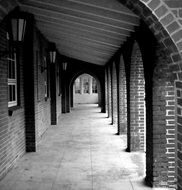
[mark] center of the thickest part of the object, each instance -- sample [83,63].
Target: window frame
[94,86]
[77,86]
[12,57]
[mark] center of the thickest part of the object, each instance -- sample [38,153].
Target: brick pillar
[67,97]
[157,150]
[53,94]
[99,94]
[63,92]
[178,86]
[109,93]
[114,95]
[137,102]
[71,95]
[29,91]
[170,134]
[106,92]
[122,102]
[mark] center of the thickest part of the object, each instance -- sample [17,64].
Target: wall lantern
[18,26]
[16,30]
[64,66]
[52,53]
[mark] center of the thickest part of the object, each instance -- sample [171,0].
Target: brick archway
[166,29]
[158,17]
[72,80]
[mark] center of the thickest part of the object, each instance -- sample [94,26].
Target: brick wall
[122,102]
[42,103]
[137,103]
[12,131]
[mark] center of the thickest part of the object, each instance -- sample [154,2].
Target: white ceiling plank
[75,25]
[87,30]
[86,10]
[84,36]
[64,41]
[72,38]
[85,58]
[82,20]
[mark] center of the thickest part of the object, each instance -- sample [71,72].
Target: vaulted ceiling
[87,30]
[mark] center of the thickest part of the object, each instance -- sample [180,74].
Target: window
[86,85]
[77,86]
[94,86]
[12,76]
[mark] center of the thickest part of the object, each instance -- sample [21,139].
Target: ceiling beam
[106,5]
[86,46]
[71,29]
[85,27]
[85,58]
[76,42]
[72,38]
[83,50]
[86,36]
[88,11]
[69,17]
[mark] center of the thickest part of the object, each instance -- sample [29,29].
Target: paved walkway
[81,153]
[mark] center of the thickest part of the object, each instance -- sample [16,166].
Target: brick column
[159,146]
[114,95]
[71,95]
[67,97]
[178,94]
[53,94]
[122,102]
[170,134]
[106,92]
[109,93]
[137,102]
[63,92]
[29,91]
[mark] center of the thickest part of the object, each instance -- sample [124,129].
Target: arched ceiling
[87,30]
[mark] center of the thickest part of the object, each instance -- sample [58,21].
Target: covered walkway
[81,152]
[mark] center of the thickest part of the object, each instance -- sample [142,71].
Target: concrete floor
[81,153]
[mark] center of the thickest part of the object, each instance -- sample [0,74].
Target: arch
[85,90]
[155,15]
[79,73]
[159,18]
